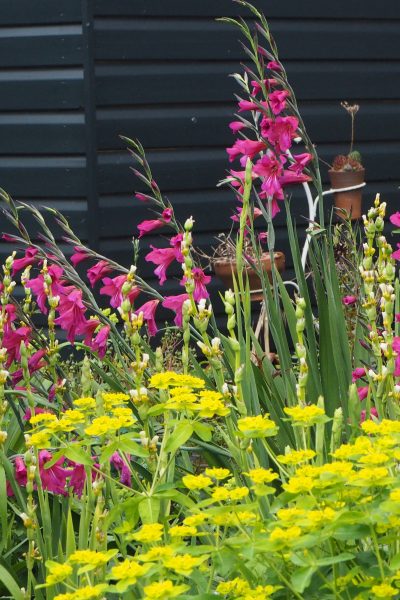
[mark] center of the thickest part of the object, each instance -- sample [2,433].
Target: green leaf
[301,578]
[333,560]
[78,455]
[179,436]
[149,509]
[203,431]
[127,445]
[10,583]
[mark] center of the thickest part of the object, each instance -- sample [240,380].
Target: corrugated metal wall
[74,75]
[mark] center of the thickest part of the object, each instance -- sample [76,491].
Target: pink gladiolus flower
[113,287]
[397,317]
[11,315]
[54,478]
[200,282]
[35,363]
[71,313]
[37,286]
[148,226]
[149,309]
[236,126]
[262,236]
[395,219]
[118,462]
[20,471]
[268,83]
[362,392]
[248,148]
[99,344]
[280,132]
[245,105]
[163,257]
[9,238]
[88,330]
[290,177]
[349,300]
[79,255]
[175,303]
[301,161]
[274,66]
[143,197]
[358,373]
[277,101]
[29,259]
[396,253]
[98,271]
[77,479]
[269,168]
[373,413]
[12,342]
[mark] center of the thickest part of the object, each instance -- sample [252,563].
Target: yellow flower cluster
[78,419]
[169,379]
[305,415]
[206,403]
[257,427]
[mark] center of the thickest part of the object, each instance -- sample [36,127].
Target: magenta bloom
[148,226]
[118,462]
[54,478]
[175,303]
[245,105]
[37,287]
[71,314]
[11,315]
[12,342]
[163,257]
[396,253]
[358,373]
[395,219]
[29,259]
[35,363]
[149,309]
[113,287]
[79,255]
[267,82]
[236,126]
[280,132]
[99,344]
[362,392]
[301,161]
[88,330]
[77,479]
[373,413]
[277,101]
[248,148]
[290,177]
[200,282]
[349,300]
[98,271]
[269,168]
[274,66]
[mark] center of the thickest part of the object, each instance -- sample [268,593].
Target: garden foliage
[195,468]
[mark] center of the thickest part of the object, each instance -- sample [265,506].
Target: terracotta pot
[349,201]
[223,269]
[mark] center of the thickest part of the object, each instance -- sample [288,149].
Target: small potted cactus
[347,171]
